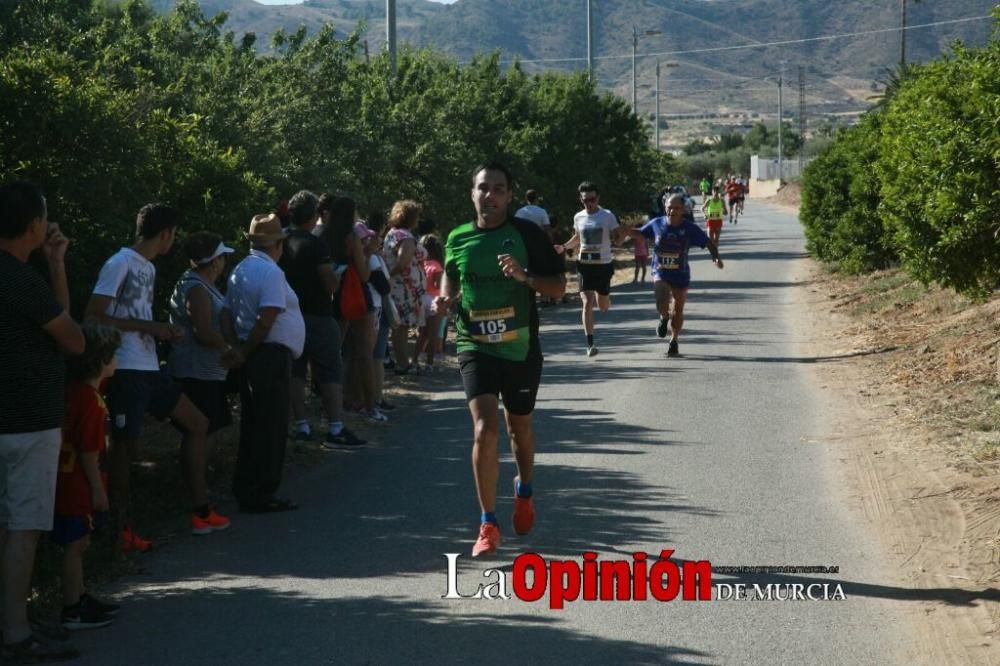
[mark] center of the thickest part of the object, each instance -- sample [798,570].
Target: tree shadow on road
[286,626]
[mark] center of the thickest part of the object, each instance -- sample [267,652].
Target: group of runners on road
[494,267]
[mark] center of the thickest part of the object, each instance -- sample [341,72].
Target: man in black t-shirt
[36,330]
[309,270]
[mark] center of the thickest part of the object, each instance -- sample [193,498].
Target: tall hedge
[840,199]
[918,179]
[939,166]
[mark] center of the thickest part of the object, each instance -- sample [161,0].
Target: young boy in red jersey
[81,491]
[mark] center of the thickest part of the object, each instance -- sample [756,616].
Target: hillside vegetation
[918,181]
[112,106]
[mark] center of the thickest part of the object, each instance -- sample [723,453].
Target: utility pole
[635,44]
[656,118]
[390,33]
[590,41]
[902,37]
[802,115]
[781,113]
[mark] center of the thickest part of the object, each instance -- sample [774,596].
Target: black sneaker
[672,349]
[302,436]
[345,440]
[80,616]
[100,606]
[661,328]
[35,649]
[385,405]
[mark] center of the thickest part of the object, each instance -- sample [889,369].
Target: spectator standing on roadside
[123,299]
[351,263]
[433,267]
[199,361]
[532,212]
[37,330]
[81,489]
[262,320]
[310,272]
[407,278]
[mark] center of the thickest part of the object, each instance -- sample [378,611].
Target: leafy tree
[840,199]
[939,170]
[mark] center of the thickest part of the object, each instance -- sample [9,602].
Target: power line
[786,42]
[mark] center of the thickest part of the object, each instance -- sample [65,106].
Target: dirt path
[938,520]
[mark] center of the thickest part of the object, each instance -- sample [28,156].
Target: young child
[433,265]
[640,252]
[81,492]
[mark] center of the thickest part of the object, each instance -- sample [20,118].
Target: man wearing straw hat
[262,320]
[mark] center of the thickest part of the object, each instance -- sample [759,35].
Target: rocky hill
[840,75]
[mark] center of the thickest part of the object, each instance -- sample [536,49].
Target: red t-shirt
[433,271]
[83,432]
[734,189]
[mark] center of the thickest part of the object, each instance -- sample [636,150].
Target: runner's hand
[442,304]
[560,249]
[511,268]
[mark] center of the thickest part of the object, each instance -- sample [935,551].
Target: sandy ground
[936,511]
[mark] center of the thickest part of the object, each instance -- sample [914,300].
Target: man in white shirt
[595,230]
[532,212]
[262,320]
[123,299]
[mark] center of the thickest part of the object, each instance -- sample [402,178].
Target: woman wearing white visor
[200,360]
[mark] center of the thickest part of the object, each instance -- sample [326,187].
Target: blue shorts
[677,279]
[70,529]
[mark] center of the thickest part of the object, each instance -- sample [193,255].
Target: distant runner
[715,212]
[672,238]
[493,267]
[733,192]
[706,187]
[595,229]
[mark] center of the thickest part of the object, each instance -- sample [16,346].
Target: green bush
[840,198]
[939,168]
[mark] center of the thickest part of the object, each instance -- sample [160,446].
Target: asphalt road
[708,455]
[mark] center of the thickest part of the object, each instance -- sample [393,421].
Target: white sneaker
[375,416]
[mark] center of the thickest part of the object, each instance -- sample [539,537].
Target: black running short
[516,382]
[596,277]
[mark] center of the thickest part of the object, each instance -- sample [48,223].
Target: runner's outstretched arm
[572,243]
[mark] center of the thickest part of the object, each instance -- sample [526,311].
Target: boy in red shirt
[81,487]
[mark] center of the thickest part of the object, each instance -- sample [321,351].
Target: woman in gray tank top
[199,360]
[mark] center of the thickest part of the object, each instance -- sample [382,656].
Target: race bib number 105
[492,326]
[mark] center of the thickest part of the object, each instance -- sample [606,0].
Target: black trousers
[265,391]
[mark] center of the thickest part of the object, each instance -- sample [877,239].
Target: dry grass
[945,364]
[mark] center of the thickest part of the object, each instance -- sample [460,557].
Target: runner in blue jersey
[672,237]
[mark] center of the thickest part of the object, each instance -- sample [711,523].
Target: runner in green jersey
[493,267]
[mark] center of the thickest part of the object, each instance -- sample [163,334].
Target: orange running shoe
[133,543]
[489,539]
[213,522]
[524,513]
